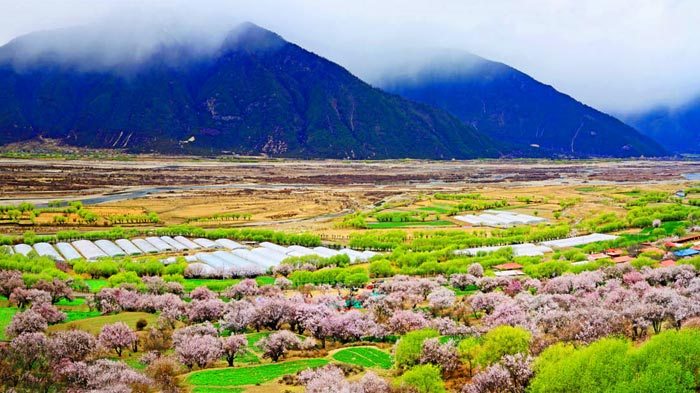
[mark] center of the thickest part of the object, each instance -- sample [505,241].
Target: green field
[364,356]
[96,285]
[94,324]
[206,389]
[437,209]
[240,376]
[71,303]
[6,314]
[221,285]
[385,225]
[72,316]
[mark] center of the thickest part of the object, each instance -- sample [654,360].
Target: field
[364,356]
[95,323]
[232,377]
[6,314]
[403,209]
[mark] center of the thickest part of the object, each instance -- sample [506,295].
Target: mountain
[676,129]
[254,93]
[510,106]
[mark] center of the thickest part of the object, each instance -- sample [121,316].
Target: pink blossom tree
[443,355]
[405,321]
[200,350]
[57,288]
[117,336]
[202,293]
[476,270]
[26,322]
[205,310]
[237,316]
[247,287]
[232,346]
[441,298]
[74,345]
[326,379]
[277,344]
[9,280]
[24,297]
[49,312]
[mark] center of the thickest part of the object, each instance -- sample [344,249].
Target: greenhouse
[199,269]
[579,240]
[23,249]
[230,244]
[128,247]
[519,250]
[238,264]
[256,258]
[47,250]
[7,249]
[159,244]
[110,248]
[206,243]
[145,246]
[68,251]
[174,243]
[325,252]
[274,247]
[300,251]
[267,253]
[219,265]
[89,250]
[187,242]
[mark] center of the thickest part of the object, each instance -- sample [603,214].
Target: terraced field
[241,376]
[364,356]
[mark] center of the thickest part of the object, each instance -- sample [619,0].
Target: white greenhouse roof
[230,244]
[47,250]
[206,243]
[519,250]
[145,246]
[68,251]
[89,250]
[187,242]
[498,218]
[128,247]
[159,244]
[579,240]
[174,243]
[110,248]
[23,249]
[274,247]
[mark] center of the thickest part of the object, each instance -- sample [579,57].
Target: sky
[620,56]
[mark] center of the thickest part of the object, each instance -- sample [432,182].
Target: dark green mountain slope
[256,94]
[677,129]
[508,105]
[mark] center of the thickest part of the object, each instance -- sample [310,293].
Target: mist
[620,56]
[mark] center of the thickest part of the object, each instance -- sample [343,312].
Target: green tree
[425,378]
[468,351]
[408,348]
[503,340]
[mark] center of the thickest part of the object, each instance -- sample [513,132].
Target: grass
[96,285]
[221,285]
[435,209]
[253,338]
[385,225]
[6,314]
[240,376]
[94,324]
[69,303]
[72,316]
[207,389]
[364,356]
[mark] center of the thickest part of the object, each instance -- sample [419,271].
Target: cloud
[616,55]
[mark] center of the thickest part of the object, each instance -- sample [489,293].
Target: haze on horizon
[621,56]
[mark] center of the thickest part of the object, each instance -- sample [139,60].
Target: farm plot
[364,356]
[6,314]
[241,376]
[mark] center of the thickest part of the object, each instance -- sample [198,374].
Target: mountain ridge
[256,93]
[509,105]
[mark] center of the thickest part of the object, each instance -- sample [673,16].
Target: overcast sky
[616,55]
